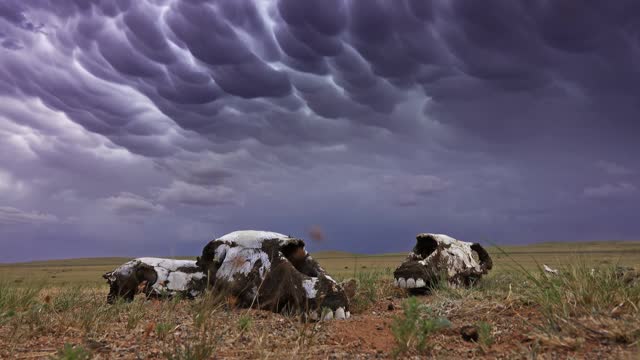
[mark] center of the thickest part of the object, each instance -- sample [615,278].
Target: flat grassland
[56,309]
[88,271]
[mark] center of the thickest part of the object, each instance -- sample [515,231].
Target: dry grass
[88,271]
[520,312]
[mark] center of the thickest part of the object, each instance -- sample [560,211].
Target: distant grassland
[88,271]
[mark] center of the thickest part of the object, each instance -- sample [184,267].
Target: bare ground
[189,330]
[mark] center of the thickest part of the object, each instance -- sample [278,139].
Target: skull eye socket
[297,256]
[482,256]
[425,246]
[293,251]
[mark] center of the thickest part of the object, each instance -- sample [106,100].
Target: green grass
[70,352]
[485,337]
[414,327]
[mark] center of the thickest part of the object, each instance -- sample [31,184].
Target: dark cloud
[13,216]
[128,204]
[613,168]
[188,194]
[610,190]
[472,116]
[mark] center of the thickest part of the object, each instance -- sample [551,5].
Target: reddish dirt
[515,334]
[515,330]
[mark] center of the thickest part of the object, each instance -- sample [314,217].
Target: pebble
[469,333]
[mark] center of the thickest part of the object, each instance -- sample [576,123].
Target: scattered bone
[437,257]
[155,277]
[549,270]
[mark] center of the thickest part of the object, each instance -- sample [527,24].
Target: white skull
[273,271]
[438,257]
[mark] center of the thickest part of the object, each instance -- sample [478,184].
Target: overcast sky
[148,127]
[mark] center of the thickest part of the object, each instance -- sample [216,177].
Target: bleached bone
[438,257]
[549,270]
[272,271]
[157,277]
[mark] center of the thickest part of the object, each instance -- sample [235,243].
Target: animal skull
[272,271]
[155,277]
[436,257]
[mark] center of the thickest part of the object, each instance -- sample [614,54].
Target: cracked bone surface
[272,271]
[438,257]
[155,277]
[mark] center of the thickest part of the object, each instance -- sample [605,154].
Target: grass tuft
[71,352]
[413,328]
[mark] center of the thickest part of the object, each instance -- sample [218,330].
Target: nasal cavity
[425,246]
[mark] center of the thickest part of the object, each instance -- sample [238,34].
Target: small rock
[379,327]
[469,333]
[391,307]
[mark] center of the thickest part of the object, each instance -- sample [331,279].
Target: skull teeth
[339,314]
[409,283]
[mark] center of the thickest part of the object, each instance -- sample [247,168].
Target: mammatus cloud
[286,113]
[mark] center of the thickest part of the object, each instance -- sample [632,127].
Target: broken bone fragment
[436,258]
[155,277]
[550,270]
[272,271]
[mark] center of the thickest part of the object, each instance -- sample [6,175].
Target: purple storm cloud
[149,127]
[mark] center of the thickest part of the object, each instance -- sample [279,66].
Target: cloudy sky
[148,127]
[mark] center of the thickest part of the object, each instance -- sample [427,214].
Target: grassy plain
[88,271]
[56,309]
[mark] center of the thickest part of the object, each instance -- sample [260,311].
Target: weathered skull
[155,277]
[272,271]
[437,257]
